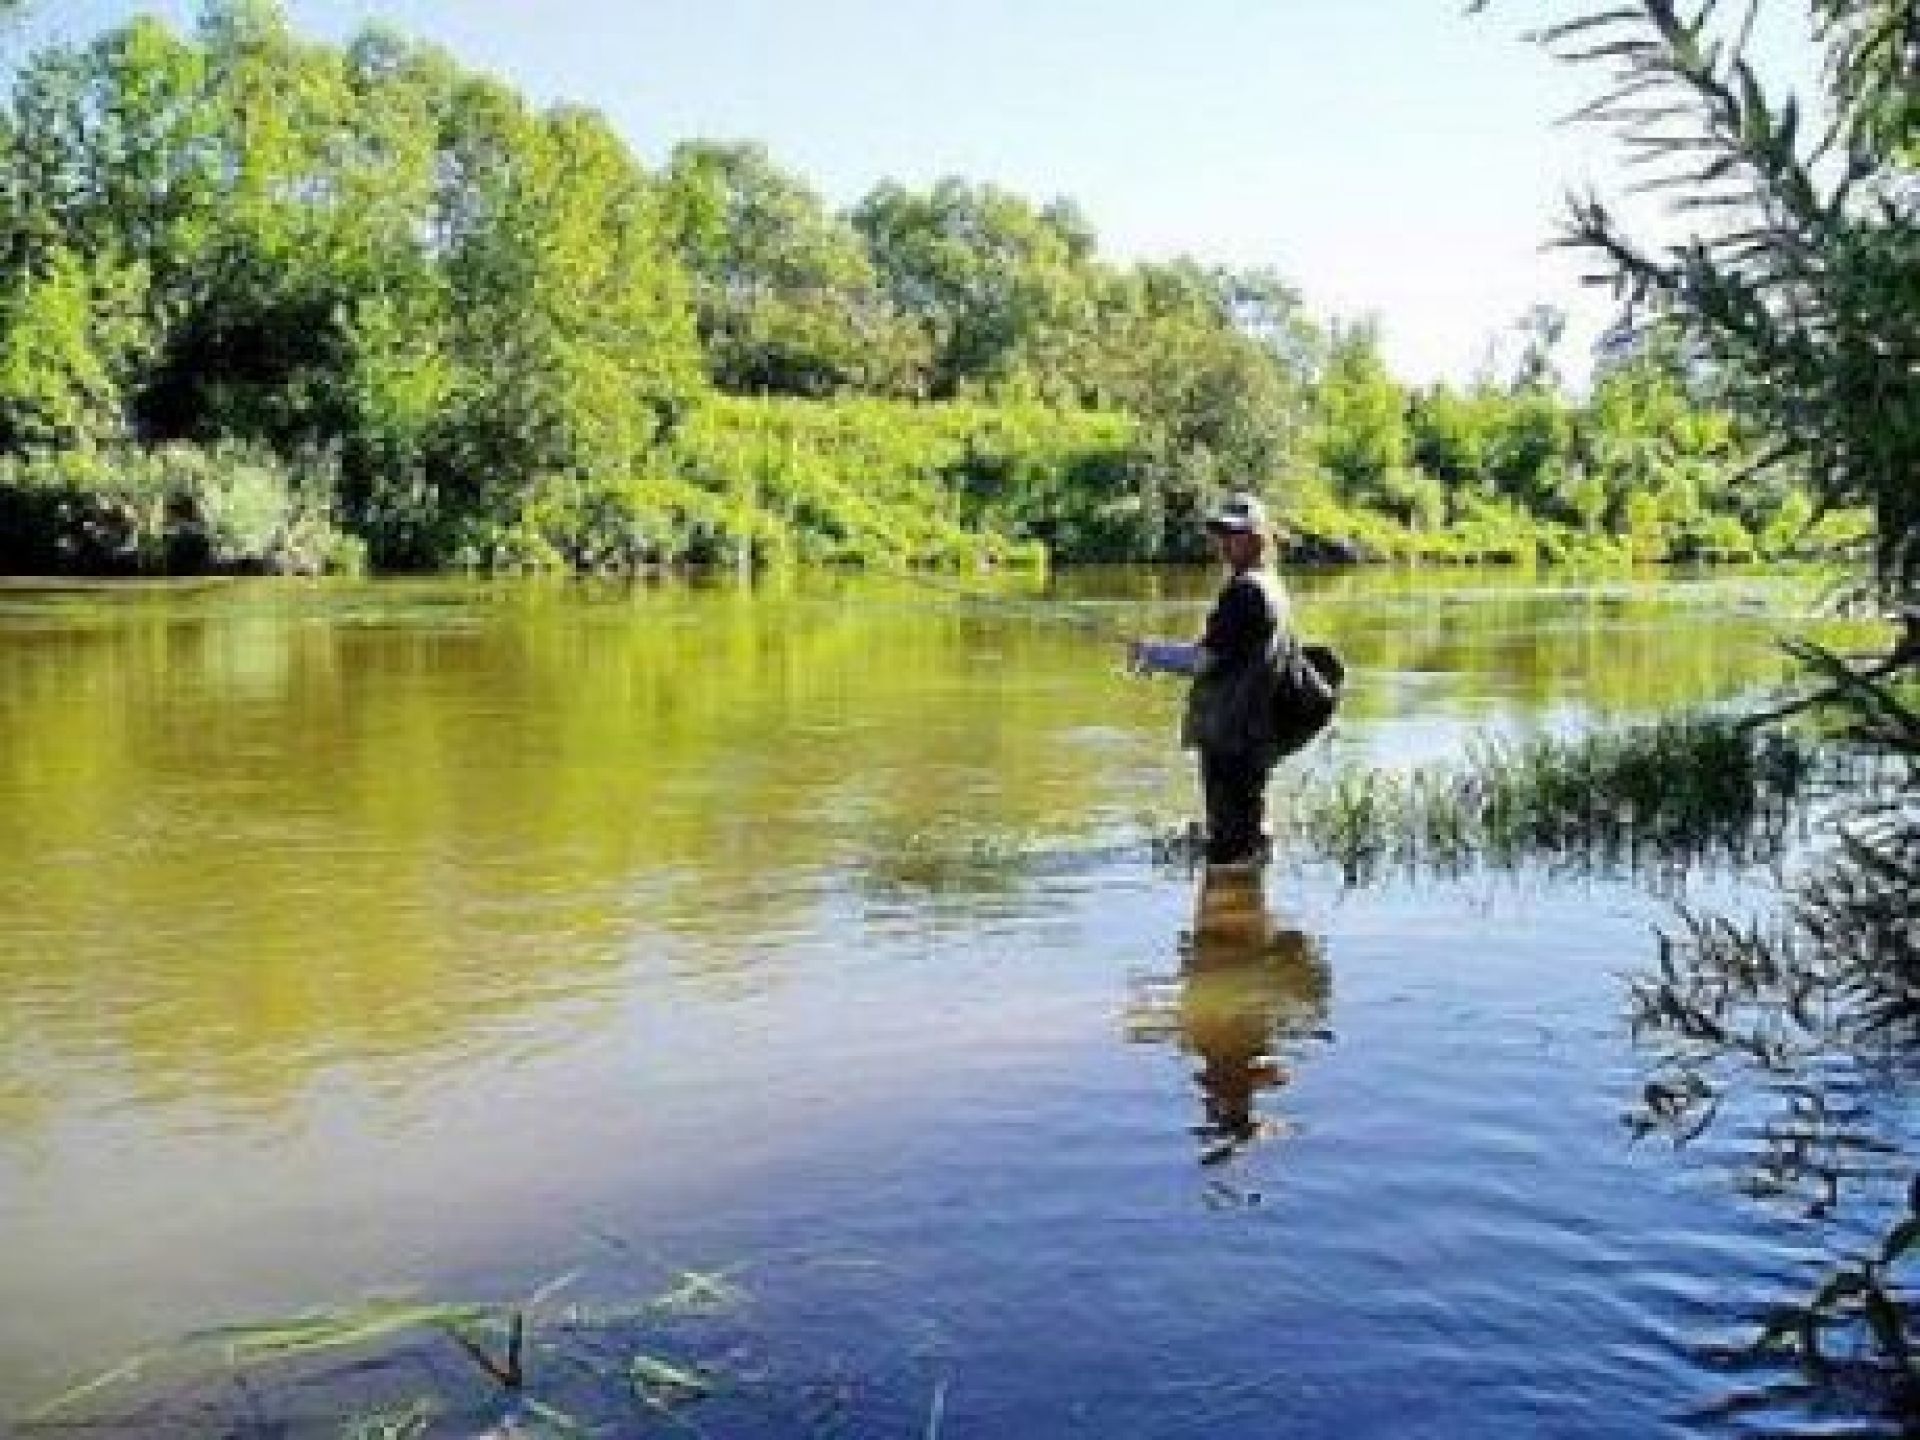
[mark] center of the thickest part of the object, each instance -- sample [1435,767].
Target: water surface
[450,936]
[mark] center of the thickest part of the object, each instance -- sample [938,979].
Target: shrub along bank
[417,321]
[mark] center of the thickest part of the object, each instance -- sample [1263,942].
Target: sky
[1393,158]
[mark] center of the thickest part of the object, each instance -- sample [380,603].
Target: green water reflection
[245,830]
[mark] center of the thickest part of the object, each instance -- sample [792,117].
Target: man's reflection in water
[1250,992]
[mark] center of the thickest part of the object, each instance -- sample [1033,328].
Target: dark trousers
[1234,785]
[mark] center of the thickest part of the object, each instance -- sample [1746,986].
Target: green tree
[1586,495]
[1452,436]
[71,337]
[990,279]
[569,336]
[1362,438]
[1213,364]
[1529,445]
[360,249]
[788,301]
[1805,291]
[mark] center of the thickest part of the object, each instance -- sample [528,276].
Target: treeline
[283,305]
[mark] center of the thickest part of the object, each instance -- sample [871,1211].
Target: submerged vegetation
[532,1358]
[484,334]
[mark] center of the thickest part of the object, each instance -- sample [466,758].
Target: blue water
[974,1141]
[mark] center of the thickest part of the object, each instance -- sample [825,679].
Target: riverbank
[757,484]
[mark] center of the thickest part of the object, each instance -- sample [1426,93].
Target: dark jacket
[1230,707]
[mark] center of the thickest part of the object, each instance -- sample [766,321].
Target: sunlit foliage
[513,345]
[1798,274]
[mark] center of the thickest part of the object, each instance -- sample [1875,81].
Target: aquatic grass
[663,1380]
[1655,800]
[1661,797]
[126,1372]
[500,1340]
[352,1329]
[401,1422]
[699,1292]
[368,1326]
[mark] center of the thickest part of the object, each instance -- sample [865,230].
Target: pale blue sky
[1389,156]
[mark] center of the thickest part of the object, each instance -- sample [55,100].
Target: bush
[172,510]
[877,482]
[1713,537]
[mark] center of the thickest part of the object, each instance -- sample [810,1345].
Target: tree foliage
[512,343]
[789,303]
[1799,277]
[1797,284]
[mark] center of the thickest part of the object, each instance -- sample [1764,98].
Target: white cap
[1243,513]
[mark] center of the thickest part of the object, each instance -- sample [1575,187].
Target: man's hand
[1164,657]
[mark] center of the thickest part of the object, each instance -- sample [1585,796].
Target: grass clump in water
[1654,800]
[1662,796]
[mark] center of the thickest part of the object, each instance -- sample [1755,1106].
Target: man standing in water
[1229,717]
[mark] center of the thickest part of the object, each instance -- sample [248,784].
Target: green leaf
[550,1289]
[652,1370]
[1885,1320]
[1900,1240]
[340,1330]
[556,1417]
[699,1290]
[106,1379]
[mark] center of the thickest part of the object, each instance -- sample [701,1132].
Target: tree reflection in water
[1250,991]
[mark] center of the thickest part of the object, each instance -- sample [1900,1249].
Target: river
[445,937]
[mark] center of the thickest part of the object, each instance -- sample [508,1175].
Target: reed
[1655,801]
[1664,797]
